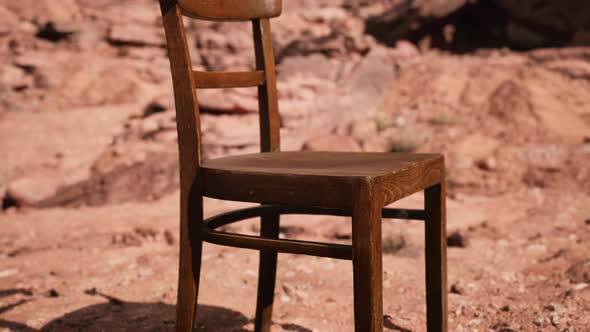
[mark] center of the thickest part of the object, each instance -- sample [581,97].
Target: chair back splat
[186,81]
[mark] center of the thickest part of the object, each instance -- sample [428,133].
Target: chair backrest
[186,80]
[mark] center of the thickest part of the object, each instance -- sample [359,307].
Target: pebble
[503,243]
[457,240]
[169,237]
[456,288]
[486,164]
[579,272]
[537,248]
[285,298]
[8,273]
[541,321]
[294,292]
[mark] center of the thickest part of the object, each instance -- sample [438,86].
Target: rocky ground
[88,178]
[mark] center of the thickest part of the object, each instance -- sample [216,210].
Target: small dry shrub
[405,140]
[393,243]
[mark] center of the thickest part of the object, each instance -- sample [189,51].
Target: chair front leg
[436,258]
[191,247]
[266,275]
[367,262]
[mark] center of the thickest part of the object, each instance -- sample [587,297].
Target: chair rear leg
[367,263]
[266,275]
[436,258]
[191,247]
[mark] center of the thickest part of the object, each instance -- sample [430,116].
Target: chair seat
[317,178]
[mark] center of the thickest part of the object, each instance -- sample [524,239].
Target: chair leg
[367,263]
[266,275]
[436,258]
[191,247]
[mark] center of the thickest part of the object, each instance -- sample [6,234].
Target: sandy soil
[113,268]
[88,161]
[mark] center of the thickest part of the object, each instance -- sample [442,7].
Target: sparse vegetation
[393,243]
[406,140]
[383,120]
[445,118]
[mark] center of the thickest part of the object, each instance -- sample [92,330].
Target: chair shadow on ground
[118,315]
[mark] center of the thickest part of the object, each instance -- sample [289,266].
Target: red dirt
[88,174]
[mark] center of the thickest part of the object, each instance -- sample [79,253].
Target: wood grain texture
[191,206]
[231,10]
[224,80]
[321,179]
[436,258]
[329,164]
[397,185]
[267,273]
[367,259]
[273,189]
[268,100]
[338,251]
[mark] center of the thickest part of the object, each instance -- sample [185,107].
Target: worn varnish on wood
[231,10]
[208,80]
[330,183]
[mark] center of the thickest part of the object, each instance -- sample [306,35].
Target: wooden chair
[341,184]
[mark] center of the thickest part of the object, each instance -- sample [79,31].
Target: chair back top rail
[231,10]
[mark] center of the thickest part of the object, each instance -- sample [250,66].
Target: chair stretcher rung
[256,211]
[386,213]
[409,214]
[338,251]
[223,80]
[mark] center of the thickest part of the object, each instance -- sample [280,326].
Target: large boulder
[8,21]
[579,272]
[228,101]
[13,78]
[328,31]
[132,34]
[462,25]
[43,11]
[221,46]
[74,79]
[32,190]
[565,20]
